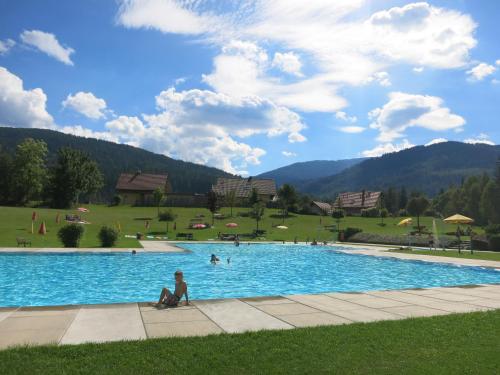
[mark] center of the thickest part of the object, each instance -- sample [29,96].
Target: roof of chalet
[323,206]
[141,181]
[355,199]
[243,186]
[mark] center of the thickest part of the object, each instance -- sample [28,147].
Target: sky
[249,86]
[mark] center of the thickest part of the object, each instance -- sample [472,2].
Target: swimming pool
[255,270]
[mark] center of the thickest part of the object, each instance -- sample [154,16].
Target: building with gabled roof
[353,202]
[266,188]
[138,188]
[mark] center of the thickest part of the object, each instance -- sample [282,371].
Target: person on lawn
[170,299]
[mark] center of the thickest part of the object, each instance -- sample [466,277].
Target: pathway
[136,321]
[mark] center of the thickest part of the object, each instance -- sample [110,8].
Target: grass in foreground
[481,255]
[16,222]
[462,343]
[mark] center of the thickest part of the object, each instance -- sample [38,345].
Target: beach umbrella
[199,226]
[405,222]
[43,229]
[282,227]
[458,219]
[231,225]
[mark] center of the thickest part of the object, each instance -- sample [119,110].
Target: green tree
[231,200]
[490,202]
[158,197]
[417,206]
[167,216]
[257,213]
[6,168]
[383,214]
[212,204]
[403,198]
[254,197]
[29,173]
[338,214]
[74,174]
[287,198]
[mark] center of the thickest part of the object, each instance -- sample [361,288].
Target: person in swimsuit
[170,299]
[214,259]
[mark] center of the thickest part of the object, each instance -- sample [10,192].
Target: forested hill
[115,158]
[298,173]
[424,168]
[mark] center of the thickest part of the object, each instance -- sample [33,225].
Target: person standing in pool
[214,259]
[170,299]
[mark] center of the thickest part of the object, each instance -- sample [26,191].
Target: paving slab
[172,315]
[16,323]
[413,311]
[375,302]
[366,314]
[106,323]
[314,319]
[485,302]
[182,329]
[453,297]
[324,302]
[30,337]
[6,312]
[287,309]
[234,316]
[257,301]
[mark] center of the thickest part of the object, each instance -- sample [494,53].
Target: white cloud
[87,104]
[167,16]
[435,141]
[48,43]
[403,111]
[495,81]
[288,154]
[418,69]
[180,81]
[352,129]
[497,62]
[344,117]
[387,148]
[288,62]
[480,72]
[6,45]
[20,107]
[127,127]
[480,139]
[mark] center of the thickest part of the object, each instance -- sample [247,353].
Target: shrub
[479,243]
[370,212]
[107,236]
[431,212]
[494,242]
[349,231]
[70,235]
[117,200]
[492,229]
[403,212]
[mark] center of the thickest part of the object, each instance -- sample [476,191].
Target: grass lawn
[453,344]
[16,222]
[483,255]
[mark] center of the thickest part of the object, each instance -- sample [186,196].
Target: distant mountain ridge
[301,173]
[114,158]
[423,168]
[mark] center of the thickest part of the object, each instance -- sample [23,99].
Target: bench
[23,241]
[187,236]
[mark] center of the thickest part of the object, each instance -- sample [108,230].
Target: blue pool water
[255,270]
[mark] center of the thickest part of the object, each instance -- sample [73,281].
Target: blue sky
[249,86]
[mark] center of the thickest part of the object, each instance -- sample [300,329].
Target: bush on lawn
[492,229]
[479,243]
[71,234]
[370,212]
[107,236]
[494,241]
[349,232]
[117,200]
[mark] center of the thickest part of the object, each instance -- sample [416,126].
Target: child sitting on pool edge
[169,299]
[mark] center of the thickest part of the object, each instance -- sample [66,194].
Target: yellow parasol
[458,219]
[405,222]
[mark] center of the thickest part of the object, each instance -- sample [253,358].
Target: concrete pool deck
[75,324]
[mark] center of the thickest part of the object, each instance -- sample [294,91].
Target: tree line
[26,176]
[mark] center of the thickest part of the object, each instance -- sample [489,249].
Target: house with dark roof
[353,202]
[138,188]
[321,208]
[242,187]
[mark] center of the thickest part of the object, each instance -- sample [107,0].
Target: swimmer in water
[214,259]
[134,252]
[228,260]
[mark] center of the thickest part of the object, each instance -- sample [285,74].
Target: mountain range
[423,168]
[114,158]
